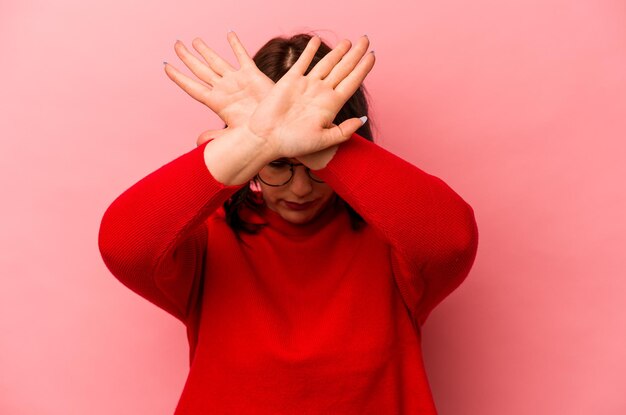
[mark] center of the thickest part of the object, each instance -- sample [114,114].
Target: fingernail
[164,63]
[229,30]
[363,119]
[372,52]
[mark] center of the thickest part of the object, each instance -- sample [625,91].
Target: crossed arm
[266,121]
[431,230]
[433,234]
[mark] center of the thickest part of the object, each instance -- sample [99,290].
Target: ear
[209,135]
[255,186]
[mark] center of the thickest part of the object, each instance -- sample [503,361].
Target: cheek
[270,194]
[326,193]
[326,190]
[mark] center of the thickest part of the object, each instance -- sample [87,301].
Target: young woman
[302,258]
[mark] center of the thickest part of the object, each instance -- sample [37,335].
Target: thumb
[342,132]
[209,135]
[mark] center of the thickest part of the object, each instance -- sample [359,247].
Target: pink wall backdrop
[520,105]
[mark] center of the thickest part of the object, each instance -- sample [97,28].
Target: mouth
[298,206]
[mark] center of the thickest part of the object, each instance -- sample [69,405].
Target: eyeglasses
[280,172]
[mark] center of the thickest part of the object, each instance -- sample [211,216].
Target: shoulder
[217,219]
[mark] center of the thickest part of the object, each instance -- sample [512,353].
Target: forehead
[290,160]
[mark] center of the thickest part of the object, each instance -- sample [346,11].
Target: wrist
[236,156]
[319,159]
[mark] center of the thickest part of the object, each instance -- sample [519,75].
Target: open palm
[296,117]
[233,94]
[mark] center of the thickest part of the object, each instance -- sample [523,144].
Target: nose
[301,184]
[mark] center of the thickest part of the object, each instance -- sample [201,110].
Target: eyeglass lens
[280,172]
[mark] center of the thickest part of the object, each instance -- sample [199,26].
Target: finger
[303,62]
[239,50]
[340,133]
[195,89]
[209,135]
[348,63]
[351,83]
[195,65]
[332,58]
[217,64]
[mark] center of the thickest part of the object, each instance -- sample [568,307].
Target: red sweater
[297,319]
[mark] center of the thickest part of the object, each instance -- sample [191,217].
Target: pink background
[519,105]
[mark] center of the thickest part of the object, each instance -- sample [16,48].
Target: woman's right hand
[296,117]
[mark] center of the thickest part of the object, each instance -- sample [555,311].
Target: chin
[298,218]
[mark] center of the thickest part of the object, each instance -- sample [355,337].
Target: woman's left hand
[232,94]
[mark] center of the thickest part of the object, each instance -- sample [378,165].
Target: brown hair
[274,59]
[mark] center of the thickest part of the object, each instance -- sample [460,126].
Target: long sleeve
[431,229]
[153,236]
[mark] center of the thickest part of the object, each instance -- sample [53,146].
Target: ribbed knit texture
[298,319]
